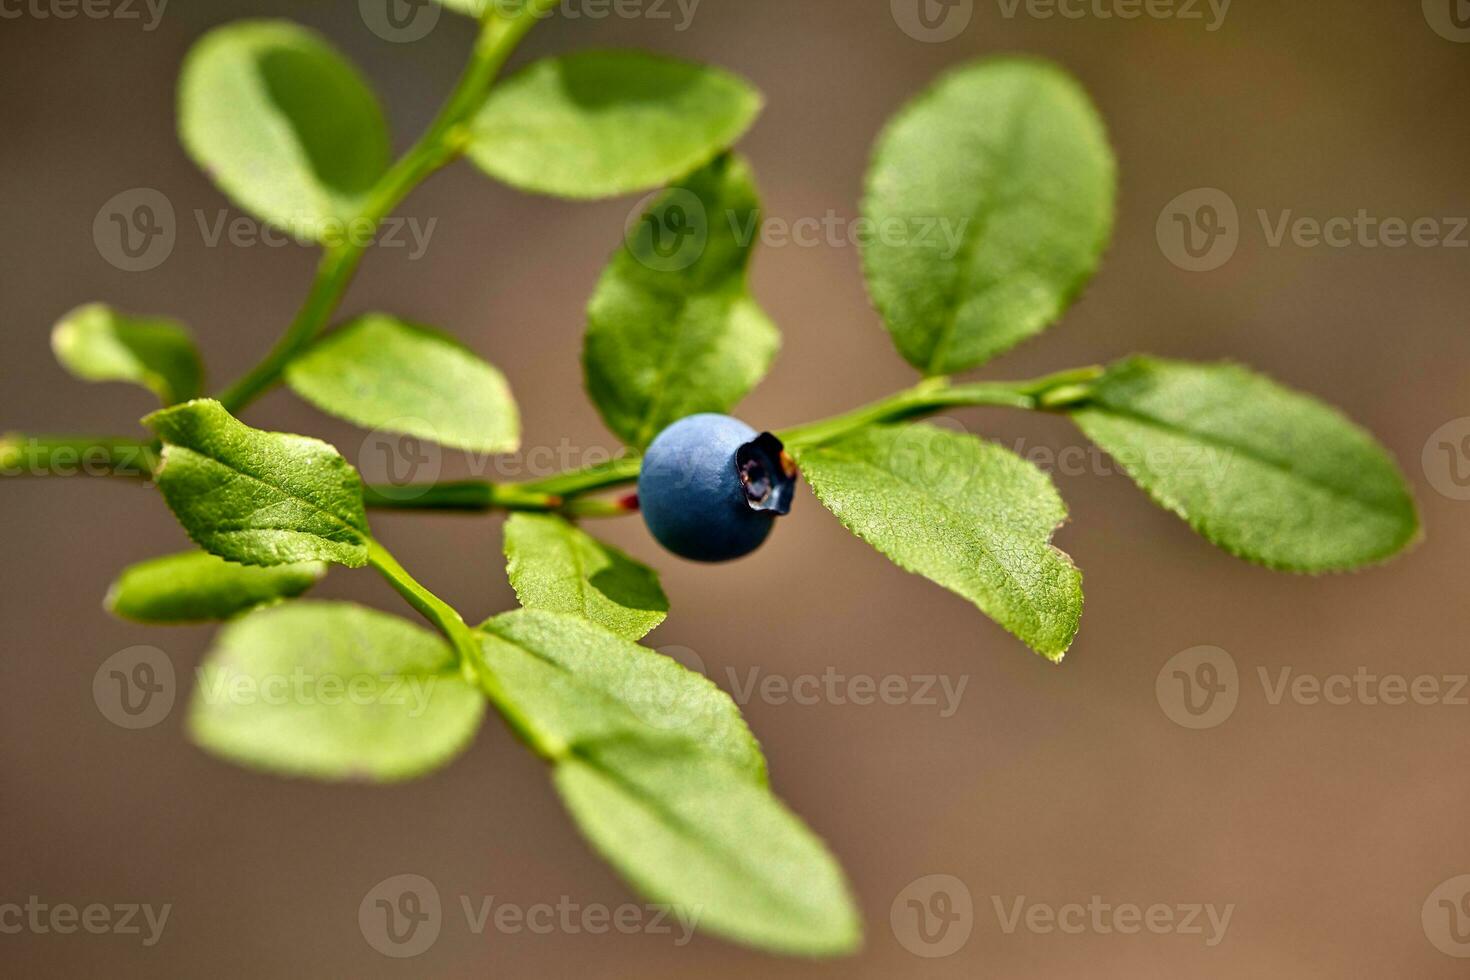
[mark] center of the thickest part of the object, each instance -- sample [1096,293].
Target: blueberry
[711,487]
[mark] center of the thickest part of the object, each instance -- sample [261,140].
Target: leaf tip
[10,449]
[109,601]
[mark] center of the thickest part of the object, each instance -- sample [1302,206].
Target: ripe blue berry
[711,487]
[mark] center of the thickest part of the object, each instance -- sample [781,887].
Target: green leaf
[694,833]
[481,8]
[502,8]
[383,373]
[601,123]
[965,514]
[674,331]
[1268,474]
[578,683]
[991,197]
[96,343]
[197,587]
[258,498]
[556,566]
[283,125]
[333,691]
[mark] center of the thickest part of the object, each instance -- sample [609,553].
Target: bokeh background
[1325,827]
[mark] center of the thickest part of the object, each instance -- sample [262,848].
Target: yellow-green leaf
[383,373]
[579,683]
[97,343]
[672,329]
[556,566]
[991,197]
[728,855]
[197,587]
[284,125]
[966,514]
[258,498]
[601,123]
[1266,473]
[333,691]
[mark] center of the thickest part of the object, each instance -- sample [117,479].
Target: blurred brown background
[1325,827]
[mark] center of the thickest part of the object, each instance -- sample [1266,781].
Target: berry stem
[469,495]
[564,493]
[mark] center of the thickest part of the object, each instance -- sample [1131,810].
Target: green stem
[577,483]
[935,395]
[27,455]
[480,497]
[563,492]
[924,398]
[560,493]
[568,493]
[470,495]
[466,645]
[443,142]
[430,606]
[598,507]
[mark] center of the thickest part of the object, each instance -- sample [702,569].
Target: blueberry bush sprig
[655,764]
